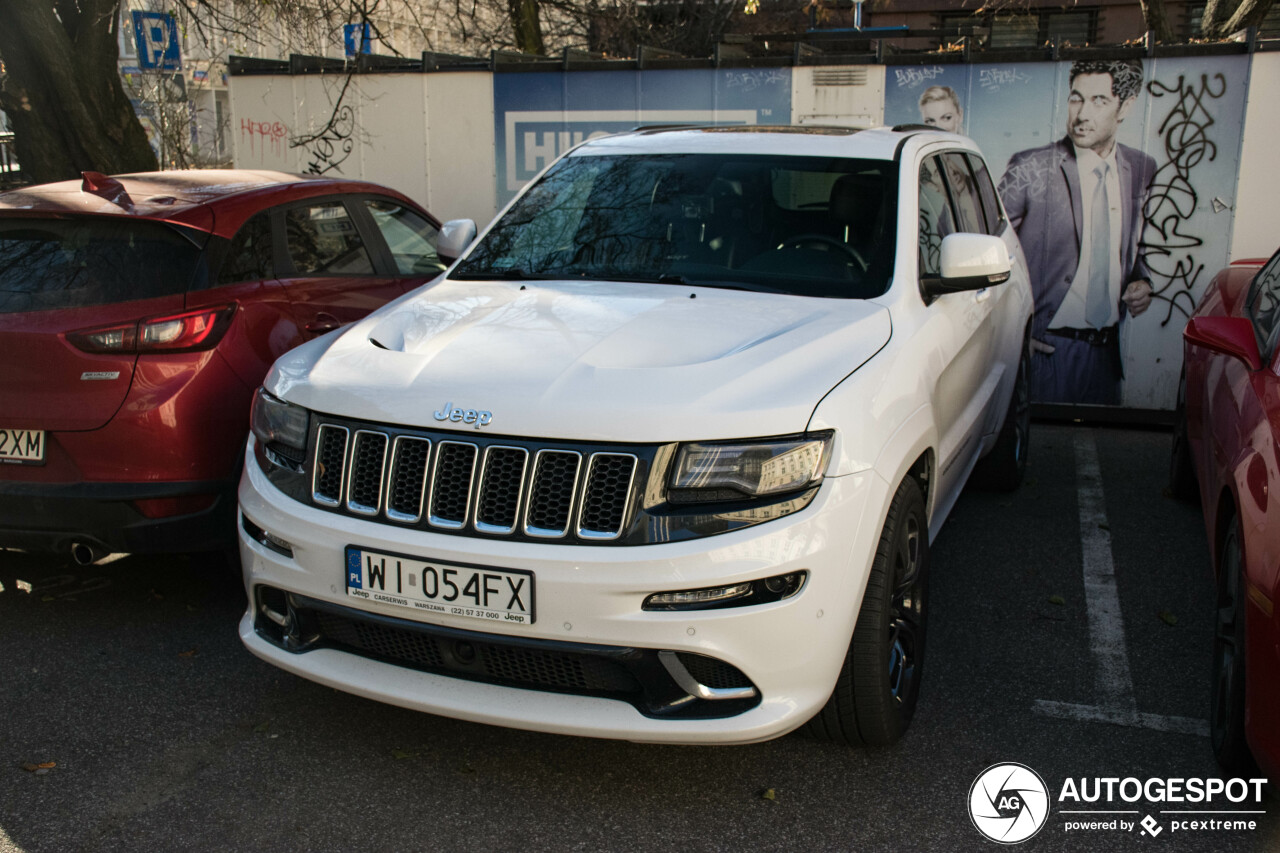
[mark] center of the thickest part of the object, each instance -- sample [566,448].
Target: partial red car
[1226,450]
[138,313]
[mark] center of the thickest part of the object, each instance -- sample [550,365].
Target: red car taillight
[189,332]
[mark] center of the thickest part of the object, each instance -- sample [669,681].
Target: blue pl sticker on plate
[354,575]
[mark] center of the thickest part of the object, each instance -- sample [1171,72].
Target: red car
[1228,442]
[137,316]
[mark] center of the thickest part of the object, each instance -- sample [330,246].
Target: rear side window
[249,257]
[323,240]
[987,192]
[964,193]
[73,263]
[935,217]
[411,239]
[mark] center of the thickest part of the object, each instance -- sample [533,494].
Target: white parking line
[1094,714]
[1113,682]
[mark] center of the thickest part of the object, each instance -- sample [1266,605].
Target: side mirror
[455,236]
[1231,336]
[969,262]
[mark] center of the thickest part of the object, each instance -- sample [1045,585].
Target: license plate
[476,592]
[21,445]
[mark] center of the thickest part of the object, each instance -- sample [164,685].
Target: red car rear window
[72,263]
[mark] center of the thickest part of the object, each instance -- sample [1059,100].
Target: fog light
[694,598]
[762,591]
[266,538]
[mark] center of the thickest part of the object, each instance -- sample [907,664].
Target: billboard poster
[1120,177]
[540,115]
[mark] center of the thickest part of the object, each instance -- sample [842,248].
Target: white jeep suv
[661,455]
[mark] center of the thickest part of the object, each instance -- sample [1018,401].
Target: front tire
[1226,714]
[879,684]
[1003,468]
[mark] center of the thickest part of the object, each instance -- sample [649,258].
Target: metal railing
[10,170]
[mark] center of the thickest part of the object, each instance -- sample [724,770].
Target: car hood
[597,361]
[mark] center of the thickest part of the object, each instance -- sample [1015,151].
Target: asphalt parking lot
[165,734]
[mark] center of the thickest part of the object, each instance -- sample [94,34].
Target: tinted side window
[1264,306]
[986,192]
[411,239]
[323,240]
[249,256]
[935,217]
[72,263]
[964,194]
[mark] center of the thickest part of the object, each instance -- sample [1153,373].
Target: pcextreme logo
[1009,803]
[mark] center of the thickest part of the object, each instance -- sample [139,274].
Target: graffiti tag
[749,81]
[992,79]
[262,134]
[1168,241]
[332,144]
[912,77]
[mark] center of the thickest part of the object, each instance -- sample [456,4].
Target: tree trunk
[62,92]
[527,26]
[1157,19]
[1220,21]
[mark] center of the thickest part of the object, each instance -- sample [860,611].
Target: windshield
[82,261]
[811,226]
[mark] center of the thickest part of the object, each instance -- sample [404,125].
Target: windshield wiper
[509,273]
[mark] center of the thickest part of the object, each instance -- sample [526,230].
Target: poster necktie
[1098,301]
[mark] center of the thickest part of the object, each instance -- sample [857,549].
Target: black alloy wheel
[1226,714]
[878,687]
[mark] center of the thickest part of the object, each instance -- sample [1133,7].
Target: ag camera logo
[1008,803]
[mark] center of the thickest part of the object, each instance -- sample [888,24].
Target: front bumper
[591,597]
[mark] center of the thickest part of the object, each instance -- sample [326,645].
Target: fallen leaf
[1057,599]
[44,765]
[1104,526]
[466,768]
[47,598]
[263,726]
[1,587]
[769,794]
[189,653]
[23,585]
[1168,618]
[400,753]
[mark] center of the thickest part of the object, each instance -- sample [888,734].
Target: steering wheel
[829,244]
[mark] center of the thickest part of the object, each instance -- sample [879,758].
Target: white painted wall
[460,146]
[1254,233]
[430,136]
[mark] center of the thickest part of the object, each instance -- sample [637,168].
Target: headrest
[856,198]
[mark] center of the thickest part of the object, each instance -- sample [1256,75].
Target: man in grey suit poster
[1077,205]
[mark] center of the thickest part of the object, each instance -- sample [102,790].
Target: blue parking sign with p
[156,34]
[355,578]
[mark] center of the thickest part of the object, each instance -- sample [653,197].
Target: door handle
[982,295]
[323,323]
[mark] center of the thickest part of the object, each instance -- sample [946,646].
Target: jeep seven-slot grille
[464,486]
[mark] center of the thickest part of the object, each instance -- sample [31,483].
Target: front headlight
[280,427]
[748,469]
